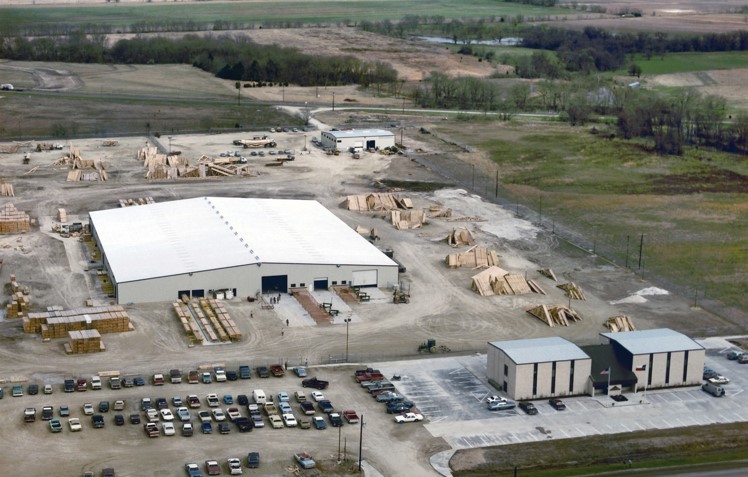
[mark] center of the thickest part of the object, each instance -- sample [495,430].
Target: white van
[713,389]
[259,396]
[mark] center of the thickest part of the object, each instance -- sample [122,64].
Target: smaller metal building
[538,368]
[659,358]
[357,138]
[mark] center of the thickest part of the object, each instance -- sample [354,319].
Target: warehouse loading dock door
[275,284]
[364,278]
[371,144]
[321,283]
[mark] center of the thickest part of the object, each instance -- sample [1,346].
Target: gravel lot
[442,307]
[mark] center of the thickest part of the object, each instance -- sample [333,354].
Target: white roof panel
[540,350]
[362,133]
[660,340]
[208,233]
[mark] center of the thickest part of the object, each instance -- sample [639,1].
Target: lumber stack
[496,281]
[110,143]
[6,189]
[189,325]
[19,300]
[572,291]
[483,282]
[474,257]
[10,148]
[85,341]
[138,201]
[548,273]
[56,322]
[620,323]
[13,221]
[224,319]
[439,212]
[408,219]
[376,202]
[203,321]
[554,315]
[62,216]
[458,238]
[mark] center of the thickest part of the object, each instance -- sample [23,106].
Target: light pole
[347,321]
[304,142]
[333,100]
[360,442]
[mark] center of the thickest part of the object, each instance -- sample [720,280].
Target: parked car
[289,420]
[245,372]
[134,418]
[138,381]
[275,421]
[283,396]
[495,399]
[55,425]
[223,428]
[29,414]
[743,358]
[119,405]
[33,389]
[206,377]
[75,424]
[408,417]
[169,429]
[108,472]
[325,406]
[713,389]
[315,383]
[300,396]
[204,416]
[220,374]
[305,460]
[242,400]
[162,403]
[398,407]
[228,399]
[184,414]
[709,373]
[47,389]
[719,379]
[48,412]
[528,407]
[193,470]
[103,406]
[263,371]
[317,396]
[17,390]
[243,424]
[119,420]
[557,404]
[300,371]
[219,415]
[501,405]
[206,427]
[734,355]
[212,400]
[231,375]
[307,408]
[145,403]
[98,421]
[233,413]
[151,429]
[256,418]
[193,401]
[64,410]
[176,401]
[193,377]
[305,423]
[212,467]
[335,419]
[235,466]
[88,409]
[167,415]
[253,460]
[187,429]
[319,423]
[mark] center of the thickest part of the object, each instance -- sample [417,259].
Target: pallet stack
[212,337]
[474,257]
[19,300]
[460,237]
[62,216]
[572,291]
[13,221]
[138,201]
[554,315]
[85,341]
[189,325]
[620,323]
[57,323]
[225,319]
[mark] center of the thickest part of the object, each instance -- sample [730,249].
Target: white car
[75,424]
[204,416]
[212,400]
[235,466]
[184,414]
[719,380]
[88,409]
[47,389]
[218,415]
[169,429]
[408,417]
[317,396]
[495,399]
[289,420]
[166,415]
[275,421]
[152,415]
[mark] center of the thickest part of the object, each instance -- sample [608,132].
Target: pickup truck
[305,460]
[220,374]
[193,377]
[277,370]
[335,419]
[29,414]
[315,383]
[96,383]
[158,379]
[270,409]
[175,376]
[369,377]
[233,413]
[69,386]
[245,372]
[350,416]
[115,382]
[151,429]
[81,384]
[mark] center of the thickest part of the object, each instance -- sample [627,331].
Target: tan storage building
[538,368]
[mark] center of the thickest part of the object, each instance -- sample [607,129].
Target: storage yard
[57,327]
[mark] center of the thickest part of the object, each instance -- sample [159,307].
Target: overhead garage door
[275,284]
[321,283]
[365,278]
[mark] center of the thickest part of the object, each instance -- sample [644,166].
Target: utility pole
[347,322]
[333,100]
[360,442]
[496,192]
[641,249]
[238,93]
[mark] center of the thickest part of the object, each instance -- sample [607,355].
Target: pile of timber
[223,166]
[163,166]
[408,219]
[220,319]
[138,201]
[6,189]
[554,315]
[439,212]
[462,237]
[19,299]
[548,273]
[57,322]
[372,233]
[496,281]
[84,341]
[620,323]
[10,148]
[207,314]
[47,146]
[189,325]
[572,291]
[376,202]
[110,143]
[62,216]
[13,221]
[474,257]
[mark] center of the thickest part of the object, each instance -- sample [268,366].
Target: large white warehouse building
[158,252]
[357,138]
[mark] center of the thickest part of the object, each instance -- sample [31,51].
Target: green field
[276,12]
[692,210]
[686,62]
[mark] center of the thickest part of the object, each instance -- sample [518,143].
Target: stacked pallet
[572,291]
[483,282]
[62,216]
[495,281]
[203,321]
[548,273]
[439,212]
[189,325]
[138,201]
[375,202]
[6,190]
[57,322]
[458,238]
[554,314]
[85,341]
[407,219]
[19,300]
[13,221]
[213,319]
[474,257]
[620,323]
[224,319]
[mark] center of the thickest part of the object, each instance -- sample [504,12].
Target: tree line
[227,57]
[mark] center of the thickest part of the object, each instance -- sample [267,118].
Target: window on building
[667,370]
[293,285]
[649,370]
[506,387]
[302,284]
[506,370]
[553,378]
[571,377]
[343,282]
[685,367]
[334,282]
[535,379]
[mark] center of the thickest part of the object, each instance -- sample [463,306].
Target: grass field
[687,62]
[592,455]
[277,12]
[692,210]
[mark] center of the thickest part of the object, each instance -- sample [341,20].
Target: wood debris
[110,143]
[554,315]
[20,301]
[496,281]
[13,221]
[482,283]
[572,291]
[465,218]
[439,212]
[6,189]
[458,238]
[407,219]
[548,273]
[376,202]
[474,257]
[620,323]
[138,201]
[10,148]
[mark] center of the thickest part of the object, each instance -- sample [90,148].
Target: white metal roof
[660,340]
[208,233]
[540,350]
[361,133]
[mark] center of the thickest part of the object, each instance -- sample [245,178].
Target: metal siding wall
[659,363]
[676,368]
[695,367]
[522,380]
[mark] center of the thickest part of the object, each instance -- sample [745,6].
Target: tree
[635,70]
